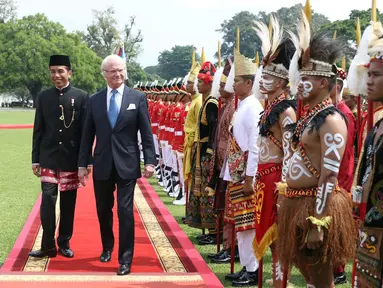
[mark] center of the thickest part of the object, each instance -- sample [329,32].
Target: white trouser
[169,157]
[180,159]
[156,148]
[164,145]
[174,161]
[245,250]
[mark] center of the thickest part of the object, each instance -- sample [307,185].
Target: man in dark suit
[114,116]
[59,119]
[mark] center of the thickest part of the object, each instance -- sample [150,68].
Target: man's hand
[248,187]
[149,171]
[89,169]
[314,238]
[82,175]
[36,170]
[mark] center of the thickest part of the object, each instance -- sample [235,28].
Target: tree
[176,62]
[346,29]
[136,74]
[249,41]
[7,10]
[25,46]
[104,35]
[22,95]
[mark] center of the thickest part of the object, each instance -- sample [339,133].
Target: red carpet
[172,254]
[16,126]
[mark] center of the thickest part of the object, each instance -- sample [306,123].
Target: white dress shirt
[246,133]
[120,92]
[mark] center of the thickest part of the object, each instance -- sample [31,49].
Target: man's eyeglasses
[59,71]
[119,71]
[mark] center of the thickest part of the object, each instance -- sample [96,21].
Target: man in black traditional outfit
[59,118]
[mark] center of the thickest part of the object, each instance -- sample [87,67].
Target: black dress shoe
[201,236]
[51,253]
[223,258]
[237,275]
[215,255]
[124,269]
[247,279]
[66,252]
[209,240]
[106,256]
[340,278]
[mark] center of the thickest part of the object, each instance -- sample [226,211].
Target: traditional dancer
[200,213]
[368,192]
[315,215]
[240,168]
[275,139]
[221,142]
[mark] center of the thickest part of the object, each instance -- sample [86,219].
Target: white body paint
[286,138]
[278,272]
[323,193]
[267,84]
[264,153]
[296,170]
[307,88]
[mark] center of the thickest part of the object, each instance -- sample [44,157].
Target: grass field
[19,189]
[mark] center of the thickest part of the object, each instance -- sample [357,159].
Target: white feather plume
[263,34]
[216,81]
[230,80]
[304,32]
[277,34]
[357,75]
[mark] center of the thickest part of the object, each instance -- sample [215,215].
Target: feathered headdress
[273,51]
[314,56]
[357,74]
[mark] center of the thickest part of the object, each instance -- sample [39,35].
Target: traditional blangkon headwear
[370,50]
[228,76]
[243,66]
[314,56]
[206,73]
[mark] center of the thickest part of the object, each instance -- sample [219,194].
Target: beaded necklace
[270,107]
[302,125]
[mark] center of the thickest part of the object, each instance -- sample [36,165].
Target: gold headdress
[242,65]
[194,70]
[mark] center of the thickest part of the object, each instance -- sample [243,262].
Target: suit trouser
[48,216]
[104,193]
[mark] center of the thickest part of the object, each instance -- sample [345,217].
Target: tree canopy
[7,10]
[25,46]
[249,41]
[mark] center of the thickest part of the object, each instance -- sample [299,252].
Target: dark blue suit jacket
[118,146]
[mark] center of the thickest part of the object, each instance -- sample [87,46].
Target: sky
[165,23]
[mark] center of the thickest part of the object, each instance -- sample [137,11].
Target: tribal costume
[275,63]
[315,58]
[368,189]
[200,213]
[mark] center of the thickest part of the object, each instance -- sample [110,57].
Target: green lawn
[17,117]
[222,269]
[19,189]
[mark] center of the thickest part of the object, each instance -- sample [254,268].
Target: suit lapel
[103,105]
[124,105]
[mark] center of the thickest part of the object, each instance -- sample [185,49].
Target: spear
[358,36]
